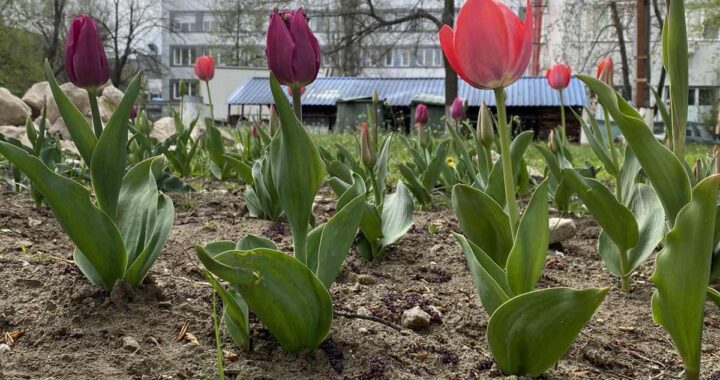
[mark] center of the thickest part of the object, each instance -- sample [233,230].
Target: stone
[163,128]
[112,95]
[415,318]
[18,133]
[36,96]
[106,109]
[366,279]
[561,230]
[535,174]
[58,128]
[364,311]
[130,344]
[13,111]
[76,95]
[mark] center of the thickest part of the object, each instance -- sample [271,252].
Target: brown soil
[73,330]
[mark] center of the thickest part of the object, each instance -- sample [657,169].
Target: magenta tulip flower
[292,50]
[490,46]
[457,109]
[558,76]
[86,64]
[421,114]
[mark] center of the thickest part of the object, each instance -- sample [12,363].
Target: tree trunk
[451,77]
[617,23]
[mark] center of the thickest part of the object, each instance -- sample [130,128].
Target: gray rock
[13,111]
[415,318]
[76,95]
[18,133]
[561,230]
[163,128]
[130,344]
[36,95]
[112,95]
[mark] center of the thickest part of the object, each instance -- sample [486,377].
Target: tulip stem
[509,178]
[216,329]
[297,103]
[97,121]
[212,111]
[563,136]
[613,154]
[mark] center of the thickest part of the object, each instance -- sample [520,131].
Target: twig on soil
[369,318]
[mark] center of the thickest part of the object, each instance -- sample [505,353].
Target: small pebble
[4,348]
[415,318]
[130,344]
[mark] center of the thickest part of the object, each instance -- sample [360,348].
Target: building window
[184,23]
[707,96]
[183,56]
[192,85]
[691,97]
[398,57]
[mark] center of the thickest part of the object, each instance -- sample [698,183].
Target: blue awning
[326,91]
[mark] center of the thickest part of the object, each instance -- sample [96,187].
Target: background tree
[45,18]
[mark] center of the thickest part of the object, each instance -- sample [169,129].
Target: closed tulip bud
[507,43]
[485,127]
[558,76]
[183,88]
[605,71]
[205,68]
[292,50]
[421,114]
[552,143]
[86,64]
[697,169]
[375,98]
[255,132]
[368,158]
[274,121]
[423,138]
[133,113]
[457,109]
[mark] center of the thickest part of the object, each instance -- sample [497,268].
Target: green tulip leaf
[397,214]
[431,175]
[235,314]
[714,296]
[526,260]
[382,162]
[99,244]
[137,271]
[251,242]
[280,290]
[628,176]
[531,332]
[675,60]
[77,125]
[483,221]
[496,184]
[297,169]
[415,186]
[682,274]
[489,279]
[596,142]
[663,169]
[241,168]
[110,156]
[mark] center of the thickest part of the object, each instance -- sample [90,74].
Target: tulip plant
[288,293]
[119,235]
[689,260]
[529,330]
[389,216]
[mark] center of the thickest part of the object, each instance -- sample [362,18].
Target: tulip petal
[306,57]
[524,47]
[482,20]
[279,49]
[89,63]
[447,35]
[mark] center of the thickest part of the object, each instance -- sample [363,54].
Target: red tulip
[457,109]
[205,68]
[558,76]
[292,50]
[490,46]
[605,71]
[421,114]
[86,64]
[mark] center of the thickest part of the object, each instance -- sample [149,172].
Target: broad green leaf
[415,186]
[615,219]
[682,273]
[281,291]
[489,279]
[526,260]
[496,186]
[108,160]
[531,332]
[351,192]
[78,127]
[650,217]
[340,170]
[382,163]
[431,175]
[297,169]
[90,229]
[628,176]
[595,141]
[483,221]
[664,113]
[397,214]
[241,168]
[235,313]
[337,238]
[675,60]
[714,296]
[250,242]
[154,243]
[663,169]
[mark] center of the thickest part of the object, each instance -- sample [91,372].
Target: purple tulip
[86,64]
[421,114]
[292,51]
[457,109]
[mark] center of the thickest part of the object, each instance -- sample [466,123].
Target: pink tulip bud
[368,158]
[457,109]
[605,71]
[86,64]
[421,114]
[133,113]
[255,132]
[292,50]
[205,68]
[490,46]
[558,76]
